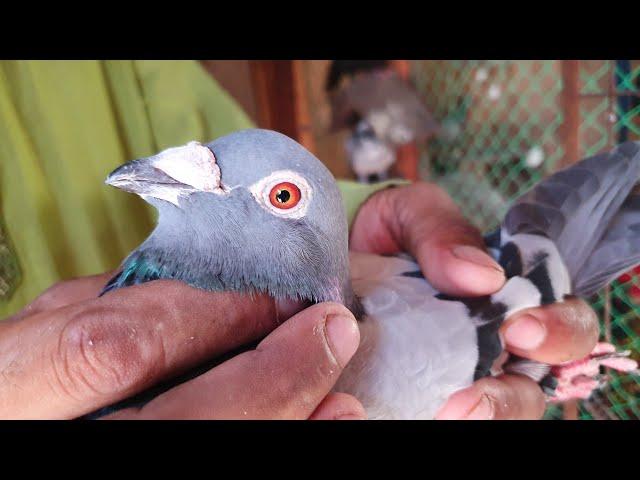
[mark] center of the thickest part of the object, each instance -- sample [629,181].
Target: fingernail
[482,411]
[343,337]
[477,256]
[525,333]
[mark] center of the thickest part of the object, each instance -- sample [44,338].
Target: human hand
[70,353]
[423,220]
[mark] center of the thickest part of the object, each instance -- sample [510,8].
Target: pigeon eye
[284,195]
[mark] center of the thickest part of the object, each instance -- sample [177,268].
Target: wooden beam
[571,142]
[281,98]
[571,109]
[302,116]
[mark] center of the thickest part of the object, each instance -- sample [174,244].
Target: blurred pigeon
[369,157]
[255,212]
[383,111]
[388,103]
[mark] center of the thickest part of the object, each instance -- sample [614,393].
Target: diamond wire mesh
[502,131]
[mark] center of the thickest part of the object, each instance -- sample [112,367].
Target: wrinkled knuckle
[101,352]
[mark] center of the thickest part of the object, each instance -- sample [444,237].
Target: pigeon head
[250,211]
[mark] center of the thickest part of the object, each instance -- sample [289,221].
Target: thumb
[286,377]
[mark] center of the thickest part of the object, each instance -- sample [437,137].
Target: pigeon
[251,211]
[254,211]
[388,103]
[369,157]
[382,111]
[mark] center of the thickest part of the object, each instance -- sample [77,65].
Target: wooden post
[571,141]
[281,98]
[571,108]
[301,104]
[407,162]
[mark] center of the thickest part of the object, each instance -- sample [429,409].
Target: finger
[449,249]
[553,334]
[339,406]
[423,220]
[286,377]
[508,397]
[65,293]
[71,361]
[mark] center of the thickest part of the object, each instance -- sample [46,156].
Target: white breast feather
[370,157]
[415,349]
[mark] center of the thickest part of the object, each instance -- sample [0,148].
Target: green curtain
[64,125]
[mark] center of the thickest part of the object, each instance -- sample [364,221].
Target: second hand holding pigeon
[422,219]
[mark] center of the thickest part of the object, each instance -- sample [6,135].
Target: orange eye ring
[285,195]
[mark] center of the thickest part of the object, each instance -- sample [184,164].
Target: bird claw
[580,378]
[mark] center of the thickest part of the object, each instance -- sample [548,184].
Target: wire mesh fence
[507,124]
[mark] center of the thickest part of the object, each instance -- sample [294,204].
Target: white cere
[192,164]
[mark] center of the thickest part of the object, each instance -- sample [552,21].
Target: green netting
[503,129]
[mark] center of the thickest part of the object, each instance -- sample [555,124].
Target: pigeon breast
[426,347]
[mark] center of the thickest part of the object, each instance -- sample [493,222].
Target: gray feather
[617,251]
[576,206]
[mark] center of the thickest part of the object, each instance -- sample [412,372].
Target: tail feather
[617,251]
[576,208]
[591,214]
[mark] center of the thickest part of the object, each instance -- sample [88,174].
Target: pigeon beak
[170,174]
[140,177]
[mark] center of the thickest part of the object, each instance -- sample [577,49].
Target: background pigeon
[387,102]
[369,157]
[382,110]
[255,211]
